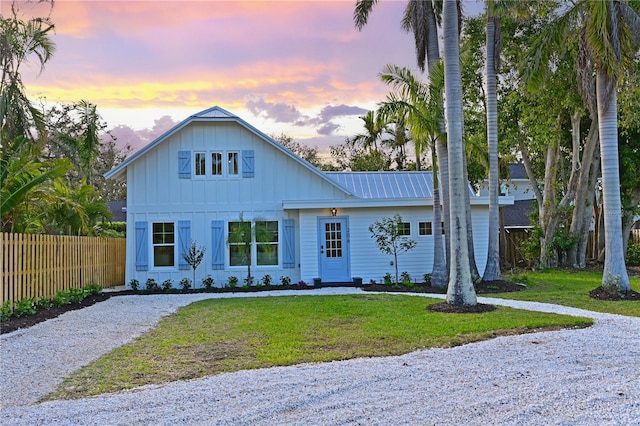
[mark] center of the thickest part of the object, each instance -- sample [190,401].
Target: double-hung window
[267,243]
[404,228]
[425,228]
[164,244]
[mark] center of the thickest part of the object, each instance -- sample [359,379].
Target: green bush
[167,284]
[208,282]
[62,297]
[285,280]
[5,310]
[185,283]
[151,284]
[134,284]
[26,306]
[633,253]
[266,280]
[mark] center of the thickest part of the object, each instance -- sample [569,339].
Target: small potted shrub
[233,281]
[185,283]
[151,284]
[208,282]
[134,284]
[285,280]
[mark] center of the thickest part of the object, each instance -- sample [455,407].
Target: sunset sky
[298,67]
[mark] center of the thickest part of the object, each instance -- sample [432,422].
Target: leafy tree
[609,38]
[390,238]
[305,152]
[24,181]
[348,156]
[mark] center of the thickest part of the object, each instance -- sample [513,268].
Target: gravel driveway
[569,377]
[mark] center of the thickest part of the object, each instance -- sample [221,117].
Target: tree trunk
[460,290]
[492,268]
[439,270]
[615,271]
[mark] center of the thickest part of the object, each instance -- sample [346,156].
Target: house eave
[378,202]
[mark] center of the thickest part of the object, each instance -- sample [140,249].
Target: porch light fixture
[334,211]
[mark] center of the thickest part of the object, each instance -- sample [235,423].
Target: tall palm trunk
[615,272]
[460,290]
[439,271]
[492,268]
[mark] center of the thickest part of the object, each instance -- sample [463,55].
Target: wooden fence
[40,265]
[513,255]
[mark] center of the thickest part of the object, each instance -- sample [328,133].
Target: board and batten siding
[367,261]
[156,193]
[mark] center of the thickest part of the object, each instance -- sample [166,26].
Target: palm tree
[460,290]
[492,268]
[375,126]
[423,110]
[420,19]
[609,36]
[18,41]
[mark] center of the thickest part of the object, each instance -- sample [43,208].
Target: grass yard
[224,335]
[570,288]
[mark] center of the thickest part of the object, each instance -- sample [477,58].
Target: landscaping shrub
[633,253]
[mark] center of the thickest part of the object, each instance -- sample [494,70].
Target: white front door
[333,237]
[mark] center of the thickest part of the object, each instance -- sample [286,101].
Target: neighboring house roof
[214,114]
[118,210]
[517,215]
[517,171]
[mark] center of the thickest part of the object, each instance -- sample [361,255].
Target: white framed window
[164,244]
[404,228]
[200,163]
[233,166]
[257,242]
[425,228]
[266,243]
[216,163]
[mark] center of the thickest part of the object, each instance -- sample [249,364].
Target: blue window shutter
[248,165]
[217,244]
[142,246]
[184,164]
[289,243]
[184,241]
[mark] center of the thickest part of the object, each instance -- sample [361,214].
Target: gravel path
[568,377]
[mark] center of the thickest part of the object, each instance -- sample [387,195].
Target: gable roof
[517,171]
[216,114]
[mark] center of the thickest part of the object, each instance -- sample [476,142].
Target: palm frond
[361,12]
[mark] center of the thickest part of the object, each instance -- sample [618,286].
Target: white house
[194,182]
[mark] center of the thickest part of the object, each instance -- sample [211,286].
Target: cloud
[281,112]
[137,139]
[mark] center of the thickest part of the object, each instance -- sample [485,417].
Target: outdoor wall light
[334,211]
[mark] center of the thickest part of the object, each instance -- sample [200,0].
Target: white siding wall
[156,194]
[367,261]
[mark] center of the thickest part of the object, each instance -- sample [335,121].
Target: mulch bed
[484,287]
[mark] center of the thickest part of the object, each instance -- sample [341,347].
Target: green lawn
[222,335]
[570,288]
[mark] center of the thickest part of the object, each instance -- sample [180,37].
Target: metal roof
[377,185]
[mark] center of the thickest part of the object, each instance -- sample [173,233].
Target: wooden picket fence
[37,266]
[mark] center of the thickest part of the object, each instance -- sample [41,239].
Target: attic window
[233,166]
[201,163]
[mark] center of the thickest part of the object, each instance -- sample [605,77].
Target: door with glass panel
[333,249]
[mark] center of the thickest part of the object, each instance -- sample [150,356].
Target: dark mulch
[15,323]
[483,287]
[445,307]
[602,293]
